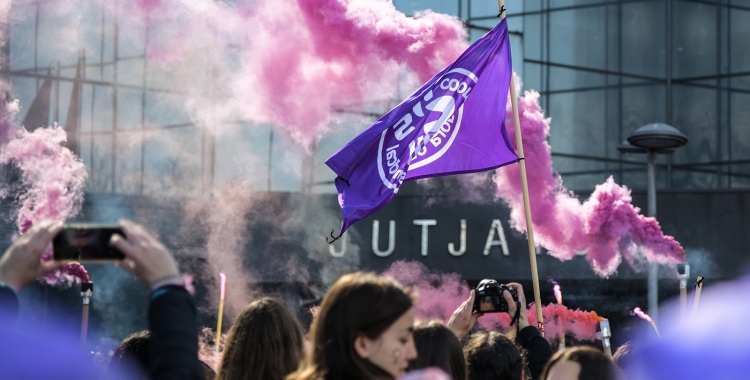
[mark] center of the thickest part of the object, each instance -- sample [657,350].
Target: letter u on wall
[376,236]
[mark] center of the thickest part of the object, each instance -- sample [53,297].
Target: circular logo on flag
[426,129]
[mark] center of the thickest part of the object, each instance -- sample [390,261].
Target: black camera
[489,297]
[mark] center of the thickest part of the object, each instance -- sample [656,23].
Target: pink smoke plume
[52,180]
[606,226]
[298,60]
[439,294]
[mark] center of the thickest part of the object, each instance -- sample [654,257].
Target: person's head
[624,354]
[580,363]
[265,342]
[363,330]
[132,353]
[492,356]
[438,346]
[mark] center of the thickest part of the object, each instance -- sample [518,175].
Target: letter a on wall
[496,226]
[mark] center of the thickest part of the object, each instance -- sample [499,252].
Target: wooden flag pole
[525,186]
[697,296]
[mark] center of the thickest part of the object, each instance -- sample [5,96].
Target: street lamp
[653,139]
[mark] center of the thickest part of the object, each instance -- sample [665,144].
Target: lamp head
[658,137]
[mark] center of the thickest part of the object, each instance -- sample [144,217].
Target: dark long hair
[594,364]
[265,343]
[357,304]
[491,355]
[438,346]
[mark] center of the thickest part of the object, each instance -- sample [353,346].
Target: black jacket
[174,336]
[172,322]
[537,348]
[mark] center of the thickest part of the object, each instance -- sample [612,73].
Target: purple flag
[455,123]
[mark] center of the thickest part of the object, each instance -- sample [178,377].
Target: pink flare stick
[558,293]
[223,284]
[638,312]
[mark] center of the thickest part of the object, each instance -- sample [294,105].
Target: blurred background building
[603,69]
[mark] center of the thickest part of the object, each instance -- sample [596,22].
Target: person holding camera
[491,355]
[172,312]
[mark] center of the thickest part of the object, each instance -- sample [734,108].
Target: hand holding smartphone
[86,243]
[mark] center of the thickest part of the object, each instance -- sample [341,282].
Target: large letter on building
[391,238]
[425,223]
[496,226]
[462,246]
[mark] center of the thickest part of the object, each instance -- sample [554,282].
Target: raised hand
[22,262]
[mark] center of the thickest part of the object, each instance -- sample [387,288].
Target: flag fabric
[455,123]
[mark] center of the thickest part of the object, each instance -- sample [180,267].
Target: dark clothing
[174,337]
[537,348]
[172,322]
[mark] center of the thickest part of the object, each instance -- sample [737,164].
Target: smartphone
[86,243]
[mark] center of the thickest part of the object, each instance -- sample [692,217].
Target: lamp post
[653,139]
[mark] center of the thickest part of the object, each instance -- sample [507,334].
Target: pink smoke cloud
[52,180]
[439,294]
[606,226]
[292,63]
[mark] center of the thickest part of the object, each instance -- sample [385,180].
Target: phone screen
[85,243]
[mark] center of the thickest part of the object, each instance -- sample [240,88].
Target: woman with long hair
[438,346]
[264,343]
[363,330]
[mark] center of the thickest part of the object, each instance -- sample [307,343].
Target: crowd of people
[364,328]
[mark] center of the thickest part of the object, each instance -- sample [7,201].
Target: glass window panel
[21,44]
[641,105]
[23,89]
[580,175]
[129,108]
[131,36]
[577,122]
[568,3]
[128,168]
[532,38]
[529,6]
[739,40]
[567,79]
[515,24]
[242,156]
[61,102]
[86,108]
[173,162]
[286,165]
[103,108]
[130,71]
[695,116]
[165,109]
[440,6]
[644,39]
[516,47]
[694,39]
[577,37]
[739,116]
[100,171]
[532,77]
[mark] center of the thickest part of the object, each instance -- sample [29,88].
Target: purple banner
[455,123]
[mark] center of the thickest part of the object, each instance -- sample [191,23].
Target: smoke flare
[606,226]
[439,294]
[51,182]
